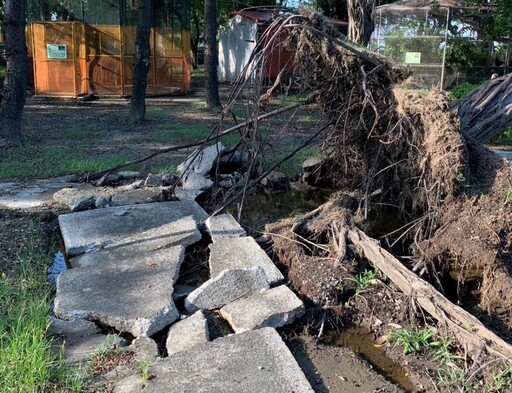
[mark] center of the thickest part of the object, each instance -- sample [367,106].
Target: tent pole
[444,49]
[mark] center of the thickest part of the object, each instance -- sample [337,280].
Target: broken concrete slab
[187,195]
[251,362]
[224,225]
[169,258]
[241,253]
[273,308]
[195,181]
[81,338]
[145,349]
[201,162]
[188,332]
[75,200]
[182,231]
[34,193]
[135,299]
[60,327]
[94,229]
[130,384]
[136,196]
[228,286]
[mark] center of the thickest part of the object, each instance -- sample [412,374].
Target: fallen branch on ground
[465,326]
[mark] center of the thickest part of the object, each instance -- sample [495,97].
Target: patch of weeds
[414,340]
[197,74]
[292,166]
[198,105]
[461,179]
[366,279]
[28,362]
[502,381]
[181,131]
[451,375]
[30,162]
[107,357]
[80,134]
[163,169]
[145,374]
[508,195]
[154,113]
[504,138]
[443,352]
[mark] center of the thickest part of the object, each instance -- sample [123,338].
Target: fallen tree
[487,110]
[396,148]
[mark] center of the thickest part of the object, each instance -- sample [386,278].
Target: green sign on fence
[413,57]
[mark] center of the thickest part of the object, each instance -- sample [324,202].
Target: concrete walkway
[126,264]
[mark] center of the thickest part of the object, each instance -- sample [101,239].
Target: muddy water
[362,342]
[260,209]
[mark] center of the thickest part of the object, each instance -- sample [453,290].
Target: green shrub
[462,90]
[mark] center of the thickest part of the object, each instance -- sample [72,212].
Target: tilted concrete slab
[93,229]
[134,255]
[228,286]
[202,161]
[81,339]
[134,298]
[241,253]
[224,225]
[186,333]
[252,362]
[273,308]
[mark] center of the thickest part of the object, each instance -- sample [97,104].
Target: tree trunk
[211,54]
[141,61]
[487,111]
[360,22]
[194,41]
[15,86]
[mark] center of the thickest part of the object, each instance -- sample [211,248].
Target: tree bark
[211,54]
[194,41]
[465,326]
[487,111]
[141,61]
[15,86]
[360,22]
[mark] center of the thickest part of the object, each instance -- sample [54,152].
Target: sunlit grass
[30,162]
[28,363]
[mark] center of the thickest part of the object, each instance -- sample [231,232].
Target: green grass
[28,363]
[292,166]
[32,162]
[158,114]
[80,134]
[366,279]
[197,74]
[504,138]
[189,132]
[414,340]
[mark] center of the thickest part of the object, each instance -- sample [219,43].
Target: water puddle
[362,342]
[260,209]
[57,266]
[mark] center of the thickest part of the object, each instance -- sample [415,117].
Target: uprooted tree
[389,146]
[487,111]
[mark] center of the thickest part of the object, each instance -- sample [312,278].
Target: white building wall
[235,47]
